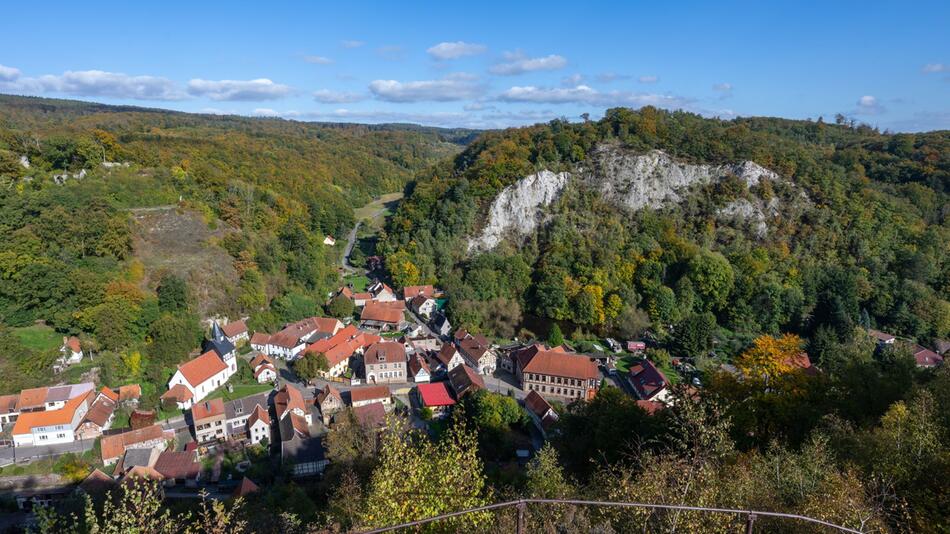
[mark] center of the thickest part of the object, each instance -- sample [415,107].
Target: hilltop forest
[74,174]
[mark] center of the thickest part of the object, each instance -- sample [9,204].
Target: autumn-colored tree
[770,357]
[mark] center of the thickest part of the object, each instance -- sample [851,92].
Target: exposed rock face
[630,180]
[518,208]
[654,179]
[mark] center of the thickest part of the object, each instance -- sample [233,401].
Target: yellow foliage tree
[133,362]
[769,357]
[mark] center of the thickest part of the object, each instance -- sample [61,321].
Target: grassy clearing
[383,203]
[39,337]
[358,281]
[240,390]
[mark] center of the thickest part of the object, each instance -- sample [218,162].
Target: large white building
[197,378]
[49,427]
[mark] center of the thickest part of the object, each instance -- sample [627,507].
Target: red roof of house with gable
[435,394]
[646,379]
[202,368]
[409,292]
[211,408]
[383,312]
[234,329]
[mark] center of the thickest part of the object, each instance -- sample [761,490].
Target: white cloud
[318,60]
[869,105]
[584,94]
[572,81]
[648,79]
[352,44]
[327,96]
[98,83]
[517,63]
[455,87]
[935,67]
[8,74]
[722,87]
[266,112]
[455,50]
[239,90]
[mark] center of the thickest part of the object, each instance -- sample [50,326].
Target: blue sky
[489,64]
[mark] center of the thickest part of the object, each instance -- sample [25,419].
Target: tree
[350,444]
[555,337]
[341,307]
[769,358]
[442,477]
[311,365]
[173,336]
[172,294]
[693,336]
[713,279]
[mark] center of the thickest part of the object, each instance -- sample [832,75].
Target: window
[43,437]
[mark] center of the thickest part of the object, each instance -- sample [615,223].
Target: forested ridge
[269,189]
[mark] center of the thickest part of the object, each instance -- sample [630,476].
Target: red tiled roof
[803,362]
[130,392]
[555,362]
[416,364]
[32,398]
[113,446]
[385,352]
[111,395]
[646,379]
[178,465]
[383,312]
[261,359]
[371,415]
[474,347]
[288,398]
[409,292]
[300,425]
[202,368]
[259,413]
[142,472]
[260,338]
[73,344]
[446,353]
[926,357]
[245,488]
[234,329]
[177,393]
[100,411]
[8,403]
[464,379]
[294,333]
[206,409]
[435,394]
[361,394]
[541,408]
[29,420]
[342,345]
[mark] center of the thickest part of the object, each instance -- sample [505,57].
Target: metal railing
[521,505]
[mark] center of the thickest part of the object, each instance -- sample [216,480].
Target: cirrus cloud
[518,63]
[454,87]
[454,50]
[239,90]
[931,68]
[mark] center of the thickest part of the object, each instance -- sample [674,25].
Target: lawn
[623,366]
[39,337]
[359,282]
[240,390]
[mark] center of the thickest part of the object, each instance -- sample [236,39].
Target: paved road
[350,241]
[9,455]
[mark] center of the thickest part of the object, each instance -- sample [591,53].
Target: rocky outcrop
[655,179]
[518,208]
[634,181]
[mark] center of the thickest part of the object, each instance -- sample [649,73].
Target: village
[401,359]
